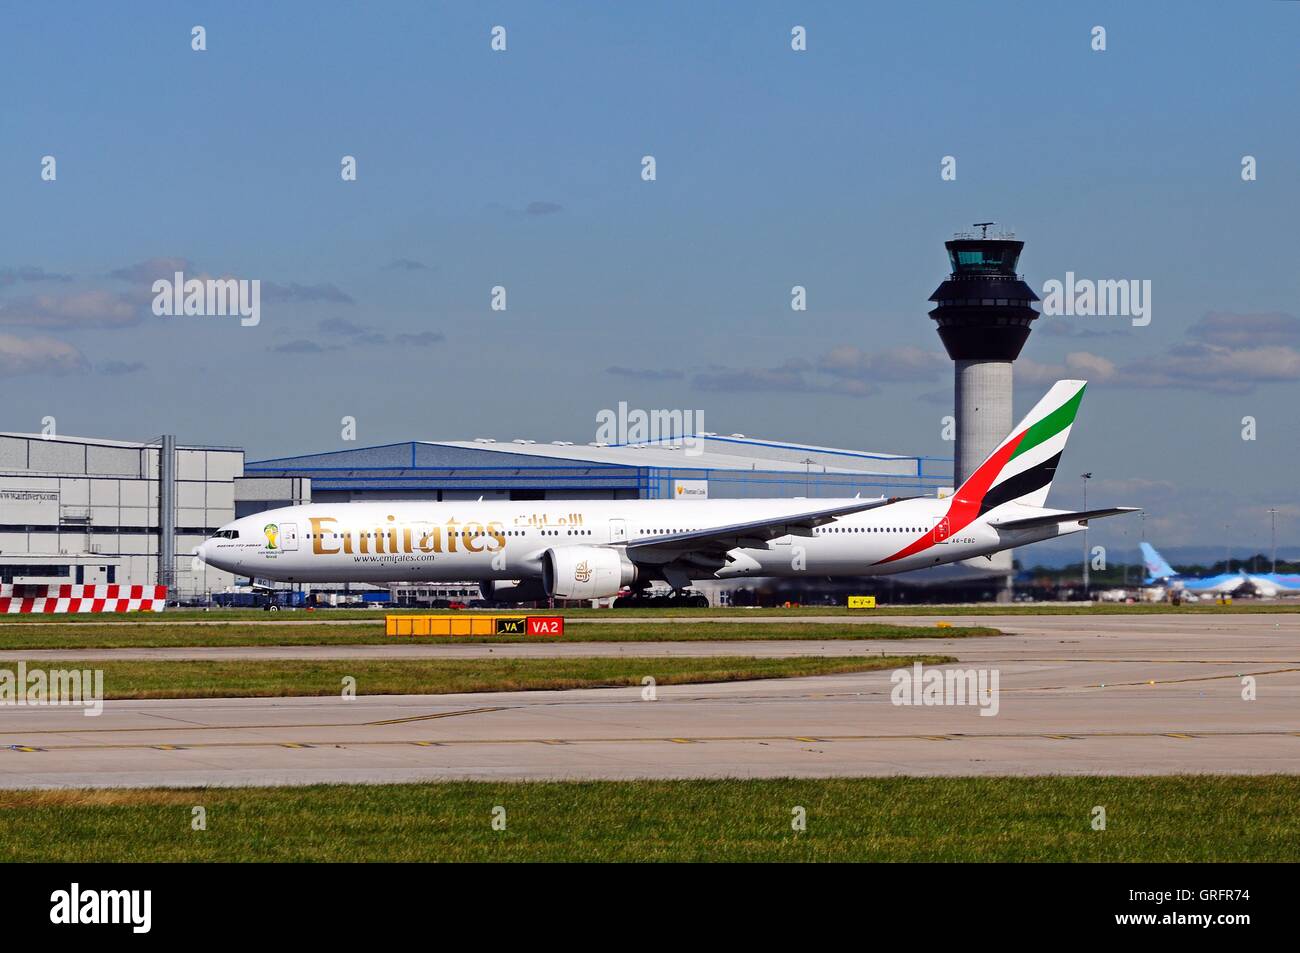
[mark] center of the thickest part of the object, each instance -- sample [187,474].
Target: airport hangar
[95,512]
[87,510]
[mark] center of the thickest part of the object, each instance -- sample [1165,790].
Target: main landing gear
[677,600]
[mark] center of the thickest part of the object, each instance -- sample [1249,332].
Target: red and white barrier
[63,598]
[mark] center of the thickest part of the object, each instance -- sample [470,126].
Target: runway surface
[1078,695]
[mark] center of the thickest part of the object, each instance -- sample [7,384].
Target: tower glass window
[984,259]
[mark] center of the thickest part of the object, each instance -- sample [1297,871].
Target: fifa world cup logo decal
[272,532]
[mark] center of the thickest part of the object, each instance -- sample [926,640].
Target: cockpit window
[226,534]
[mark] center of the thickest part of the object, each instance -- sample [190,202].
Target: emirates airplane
[526,551]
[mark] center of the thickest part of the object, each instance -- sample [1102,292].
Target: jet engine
[586,572]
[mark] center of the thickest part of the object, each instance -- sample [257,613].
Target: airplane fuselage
[432,542]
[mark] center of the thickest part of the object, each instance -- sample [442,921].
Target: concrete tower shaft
[982,401]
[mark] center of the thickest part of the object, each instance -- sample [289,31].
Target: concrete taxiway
[1077,695]
[1168,635]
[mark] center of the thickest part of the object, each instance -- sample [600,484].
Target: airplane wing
[1050,519]
[752,534]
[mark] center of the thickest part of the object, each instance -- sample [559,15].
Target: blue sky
[775,168]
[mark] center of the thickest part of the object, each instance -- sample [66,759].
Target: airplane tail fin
[1155,564]
[1021,469]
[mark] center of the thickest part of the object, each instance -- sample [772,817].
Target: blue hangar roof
[735,465]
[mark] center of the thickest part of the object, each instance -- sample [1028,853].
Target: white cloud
[1076,365]
[38,355]
[85,309]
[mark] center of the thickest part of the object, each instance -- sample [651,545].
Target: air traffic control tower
[983,312]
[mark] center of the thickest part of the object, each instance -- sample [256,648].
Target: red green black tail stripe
[991,485]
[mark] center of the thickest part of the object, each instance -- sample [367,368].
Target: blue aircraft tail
[1156,566]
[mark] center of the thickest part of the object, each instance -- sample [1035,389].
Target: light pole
[1086,477]
[1272,512]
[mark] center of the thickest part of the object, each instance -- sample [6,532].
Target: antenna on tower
[984,228]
